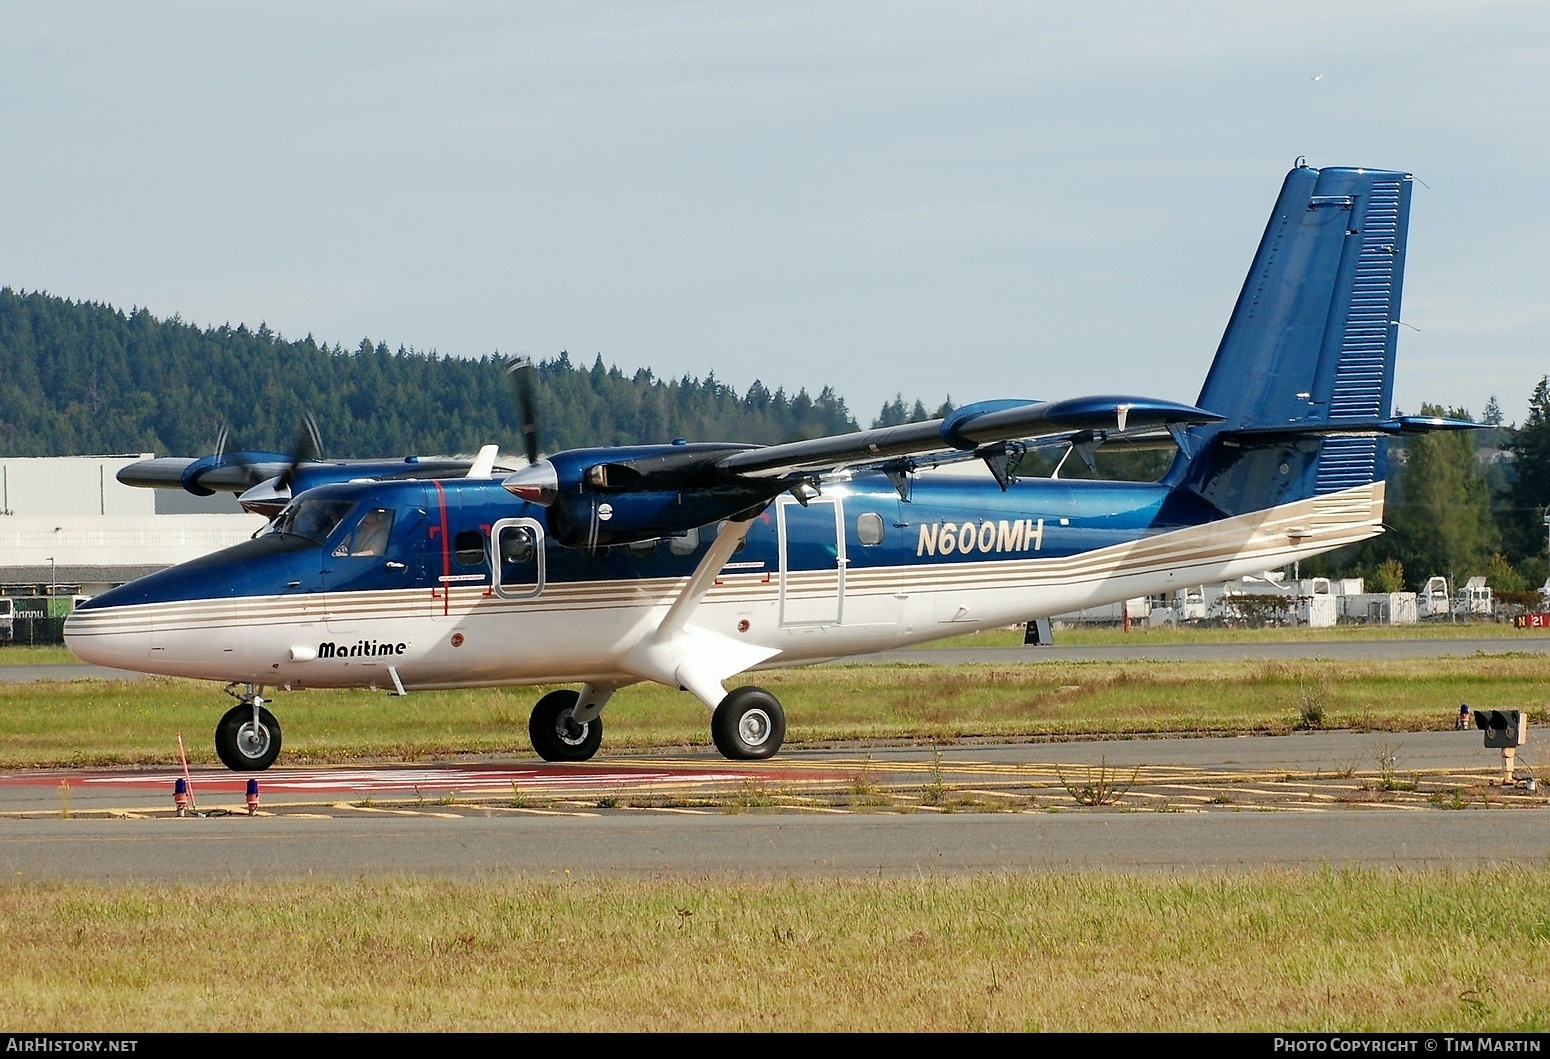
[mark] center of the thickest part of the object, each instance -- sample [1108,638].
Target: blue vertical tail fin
[1304,375]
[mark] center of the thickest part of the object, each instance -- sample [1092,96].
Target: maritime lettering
[360,649]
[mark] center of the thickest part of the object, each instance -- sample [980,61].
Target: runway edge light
[252,797]
[1506,730]
[1503,728]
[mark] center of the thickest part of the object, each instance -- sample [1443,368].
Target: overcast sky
[973,200]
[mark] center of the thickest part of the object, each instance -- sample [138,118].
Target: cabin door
[812,560]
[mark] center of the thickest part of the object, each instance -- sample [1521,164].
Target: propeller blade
[522,372]
[308,446]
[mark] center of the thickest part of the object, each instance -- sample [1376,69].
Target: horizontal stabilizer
[1351,426]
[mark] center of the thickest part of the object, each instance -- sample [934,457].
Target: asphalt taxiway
[1329,798]
[1337,798]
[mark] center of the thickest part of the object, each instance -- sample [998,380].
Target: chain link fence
[33,629]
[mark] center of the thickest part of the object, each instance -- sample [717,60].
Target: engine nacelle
[612,496]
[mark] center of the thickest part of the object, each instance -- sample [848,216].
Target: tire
[554,732]
[240,747]
[748,725]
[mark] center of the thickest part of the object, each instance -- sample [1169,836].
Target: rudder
[1304,373]
[1312,336]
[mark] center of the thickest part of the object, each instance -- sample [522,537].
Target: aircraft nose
[105,636]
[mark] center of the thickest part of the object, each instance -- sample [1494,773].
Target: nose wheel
[247,739]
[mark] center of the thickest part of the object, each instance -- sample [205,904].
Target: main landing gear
[555,732]
[747,725]
[247,739]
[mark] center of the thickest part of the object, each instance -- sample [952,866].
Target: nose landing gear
[247,739]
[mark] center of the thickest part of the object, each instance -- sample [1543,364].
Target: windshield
[314,518]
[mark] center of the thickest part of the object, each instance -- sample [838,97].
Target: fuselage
[468,590]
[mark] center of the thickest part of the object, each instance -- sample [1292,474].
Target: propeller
[307,446]
[522,372]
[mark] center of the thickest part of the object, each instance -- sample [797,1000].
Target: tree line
[85,378]
[1462,504]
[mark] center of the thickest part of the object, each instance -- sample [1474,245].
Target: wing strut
[691,657]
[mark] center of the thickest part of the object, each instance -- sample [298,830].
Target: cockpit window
[370,536]
[313,518]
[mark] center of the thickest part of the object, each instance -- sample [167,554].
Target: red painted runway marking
[388,779]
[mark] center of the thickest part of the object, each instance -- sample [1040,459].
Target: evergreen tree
[1440,512]
[1529,495]
[79,378]
[894,413]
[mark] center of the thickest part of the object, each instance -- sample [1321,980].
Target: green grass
[95,722]
[1373,951]
[23,655]
[1091,951]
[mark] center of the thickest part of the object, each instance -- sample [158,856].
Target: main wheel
[748,725]
[241,746]
[555,734]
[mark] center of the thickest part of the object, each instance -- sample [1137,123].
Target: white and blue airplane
[688,564]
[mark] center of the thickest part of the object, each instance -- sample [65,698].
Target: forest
[80,378]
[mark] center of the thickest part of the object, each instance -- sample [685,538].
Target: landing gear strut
[247,739]
[748,725]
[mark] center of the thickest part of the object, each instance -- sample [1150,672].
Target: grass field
[1268,951]
[1437,951]
[99,722]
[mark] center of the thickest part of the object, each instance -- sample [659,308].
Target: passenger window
[643,549]
[519,543]
[686,544]
[869,528]
[468,548]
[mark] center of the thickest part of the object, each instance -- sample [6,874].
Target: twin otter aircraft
[687,564]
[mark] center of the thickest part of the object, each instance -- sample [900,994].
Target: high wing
[265,481]
[204,476]
[971,429]
[617,495]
